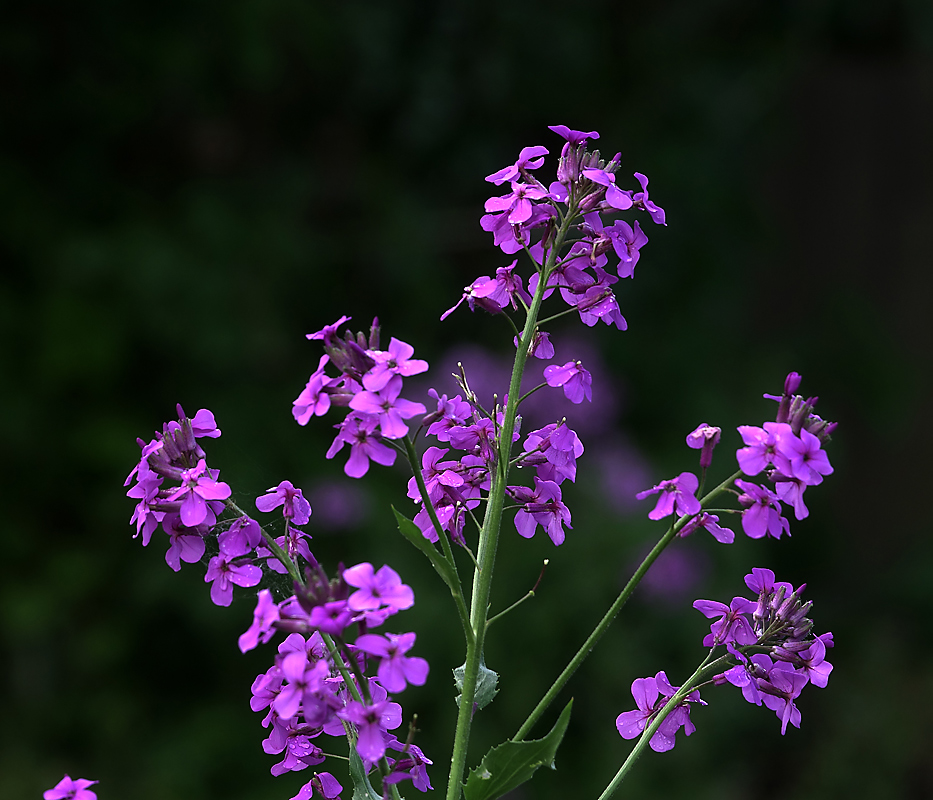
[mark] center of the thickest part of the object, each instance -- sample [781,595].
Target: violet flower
[676,494]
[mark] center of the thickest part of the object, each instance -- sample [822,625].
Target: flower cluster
[189,513]
[369,383]
[789,453]
[776,622]
[318,685]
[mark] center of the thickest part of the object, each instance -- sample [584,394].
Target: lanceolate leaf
[512,763]
[414,535]
[362,788]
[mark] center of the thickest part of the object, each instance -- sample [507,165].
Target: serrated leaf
[362,788]
[510,764]
[413,533]
[487,684]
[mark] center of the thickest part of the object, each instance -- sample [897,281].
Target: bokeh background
[189,189]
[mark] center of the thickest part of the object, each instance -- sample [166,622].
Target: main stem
[489,535]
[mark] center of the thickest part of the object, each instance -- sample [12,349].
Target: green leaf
[362,788]
[413,533]
[510,764]
[487,684]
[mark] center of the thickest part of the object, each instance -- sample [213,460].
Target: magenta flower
[359,431]
[641,200]
[377,589]
[575,380]
[371,722]
[528,159]
[573,137]
[541,506]
[677,494]
[762,513]
[68,789]
[615,197]
[388,408]
[198,486]
[704,438]
[732,625]
[314,400]
[710,523]
[223,574]
[396,670]
[324,783]
[397,360]
[264,618]
[329,332]
[297,509]
[808,461]
[186,544]
[764,446]
[303,679]
[241,538]
[651,695]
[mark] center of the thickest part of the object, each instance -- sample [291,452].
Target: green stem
[442,537]
[489,536]
[612,613]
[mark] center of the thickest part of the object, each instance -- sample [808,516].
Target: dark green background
[188,189]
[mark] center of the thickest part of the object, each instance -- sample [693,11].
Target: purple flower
[329,332]
[641,199]
[314,400]
[677,494]
[709,522]
[647,692]
[297,509]
[68,789]
[576,381]
[359,431]
[397,360]
[396,670]
[764,446]
[808,462]
[615,197]
[325,784]
[528,159]
[371,722]
[762,513]
[573,138]
[518,205]
[704,438]
[241,538]
[198,486]
[377,589]
[187,544]
[541,506]
[264,617]
[732,625]
[302,679]
[223,574]
[388,408]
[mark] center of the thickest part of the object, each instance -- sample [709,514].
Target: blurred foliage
[189,189]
